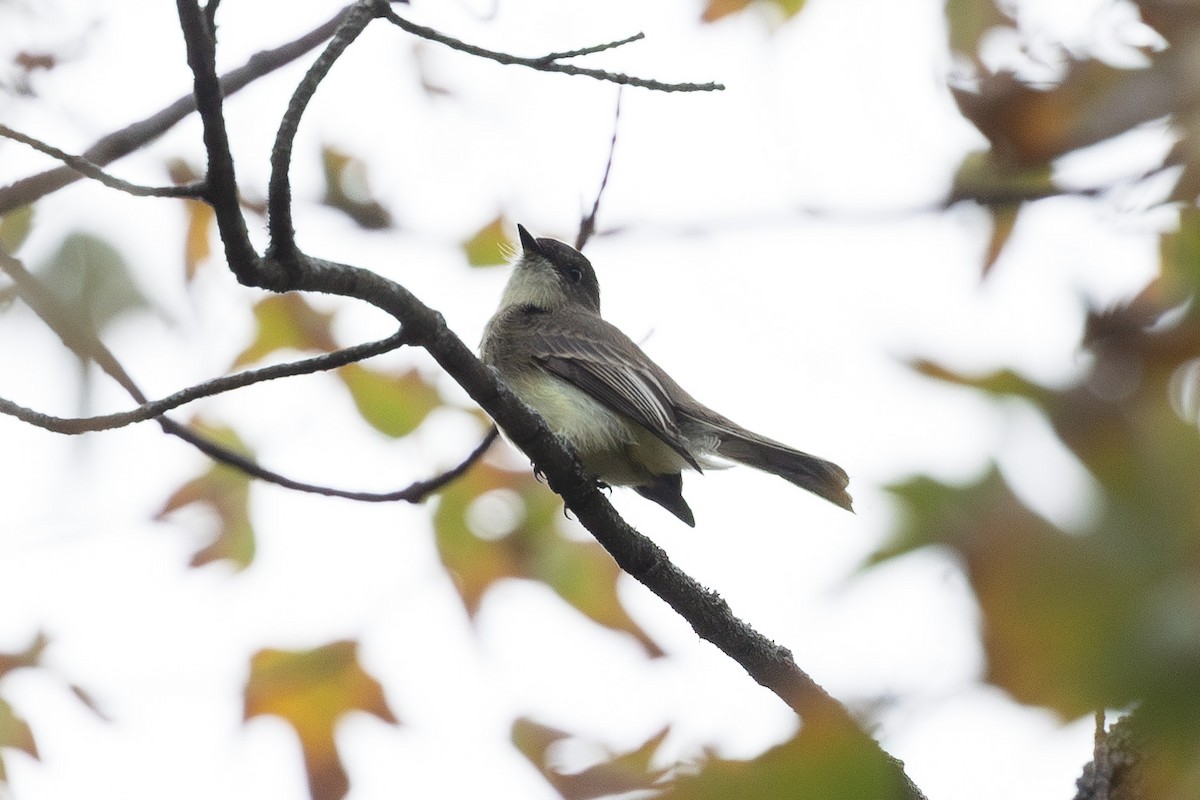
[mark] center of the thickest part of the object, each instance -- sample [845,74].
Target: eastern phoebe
[630,423]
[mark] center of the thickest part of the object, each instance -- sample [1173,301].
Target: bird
[629,422]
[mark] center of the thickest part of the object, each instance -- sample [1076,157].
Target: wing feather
[609,367]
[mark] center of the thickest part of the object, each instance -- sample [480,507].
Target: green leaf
[984,178]
[1180,252]
[92,281]
[491,245]
[969,20]
[824,761]
[393,404]
[14,228]
[1002,383]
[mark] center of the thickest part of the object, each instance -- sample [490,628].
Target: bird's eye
[575,274]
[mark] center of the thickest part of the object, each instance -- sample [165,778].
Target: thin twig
[133,137]
[90,170]
[86,345]
[210,388]
[587,51]
[544,64]
[588,225]
[413,493]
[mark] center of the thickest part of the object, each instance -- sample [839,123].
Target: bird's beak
[528,243]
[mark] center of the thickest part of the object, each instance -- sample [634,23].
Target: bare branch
[132,137]
[414,493]
[587,226]
[548,63]
[768,663]
[150,410]
[279,193]
[221,180]
[587,51]
[90,170]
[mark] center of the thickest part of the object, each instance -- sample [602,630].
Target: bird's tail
[822,478]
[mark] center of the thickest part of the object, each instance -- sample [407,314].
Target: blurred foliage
[393,404]
[718,9]
[1107,616]
[197,244]
[493,524]
[311,690]
[287,322]
[821,761]
[92,283]
[348,190]
[491,245]
[14,228]
[225,491]
[618,773]
[15,732]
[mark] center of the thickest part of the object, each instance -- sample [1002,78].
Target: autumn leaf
[197,247]
[718,9]
[624,772]
[31,656]
[490,245]
[311,690]
[225,491]
[15,733]
[287,321]
[348,190]
[493,524]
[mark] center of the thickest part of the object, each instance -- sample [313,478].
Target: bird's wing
[601,361]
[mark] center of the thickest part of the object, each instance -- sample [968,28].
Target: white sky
[792,324]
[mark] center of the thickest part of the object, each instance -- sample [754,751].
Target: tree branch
[587,226]
[549,63]
[90,170]
[279,192]
[155,408]
[132,137]
[86,345]
[768,663]
[221,188]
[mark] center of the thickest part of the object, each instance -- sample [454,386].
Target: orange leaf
[311,690]
[197,247]
[715,9]
[494,523]
[225,491]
